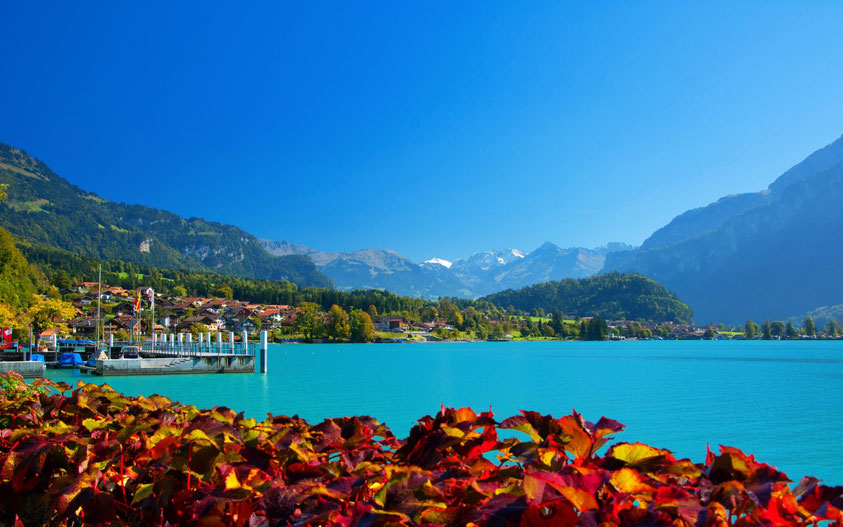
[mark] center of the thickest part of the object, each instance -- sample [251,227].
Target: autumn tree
[362,327]
[338,326]
[49,313]
[832,327]
[7,317]
[224,291]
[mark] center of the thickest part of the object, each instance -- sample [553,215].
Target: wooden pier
[161,355]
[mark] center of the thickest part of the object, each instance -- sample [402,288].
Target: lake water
[782,401]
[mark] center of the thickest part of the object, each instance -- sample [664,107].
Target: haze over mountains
[765,255]
[45,209]
[772,254]
[480,274]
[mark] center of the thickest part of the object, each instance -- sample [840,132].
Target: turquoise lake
[781,401]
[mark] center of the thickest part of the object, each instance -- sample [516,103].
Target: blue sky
[434,129]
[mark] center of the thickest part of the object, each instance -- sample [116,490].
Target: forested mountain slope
[612,296]
[765,255]
[44,209]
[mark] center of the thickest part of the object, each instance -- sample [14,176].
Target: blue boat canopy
[67,342]
[70,359]
[36,357]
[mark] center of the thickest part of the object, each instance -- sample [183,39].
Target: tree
[7,317]
[790,331]
[196,329]
[429,314]
[456,319]
[750,329]
[224,291]
[47,314]
[595,329]
[362,329]
[766,330]
[777,328]
[338,326]
[373,311]
[482,332]
[548,331]
[710,334]
[179,291]
[809,327]
[61,279]
[832,327]
[3,194]
[556,322]
[307,323]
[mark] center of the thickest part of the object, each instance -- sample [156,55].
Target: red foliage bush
[97,457]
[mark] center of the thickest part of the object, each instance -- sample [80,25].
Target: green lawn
[123,275]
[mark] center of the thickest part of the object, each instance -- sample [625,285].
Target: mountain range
[480,274]
[44,209]
[766,255]
[772,254]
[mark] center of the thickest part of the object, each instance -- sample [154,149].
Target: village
[194,315]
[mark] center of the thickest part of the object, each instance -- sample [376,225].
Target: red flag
[5,338]
[137,302]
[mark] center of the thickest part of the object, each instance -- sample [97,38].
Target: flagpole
[99,299]
[152,306]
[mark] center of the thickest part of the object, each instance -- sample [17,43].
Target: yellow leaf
[634,452]
[142,492]
[629,481]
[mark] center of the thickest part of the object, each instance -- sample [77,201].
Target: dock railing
[165,345]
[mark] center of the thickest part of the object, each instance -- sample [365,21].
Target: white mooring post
[180,349]
[245,342]
[231,342]
[201,338]
[263,351]
[173,341]
[154,341]
[219,343]
[110,344]
[210,343]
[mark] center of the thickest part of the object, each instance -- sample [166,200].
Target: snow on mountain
[480,274]
[440,261]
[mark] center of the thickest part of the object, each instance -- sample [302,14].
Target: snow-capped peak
[517,253]
[440,261]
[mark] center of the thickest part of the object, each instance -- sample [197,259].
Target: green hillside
[64,268]
[612,296]
[18,280]
[44,209]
